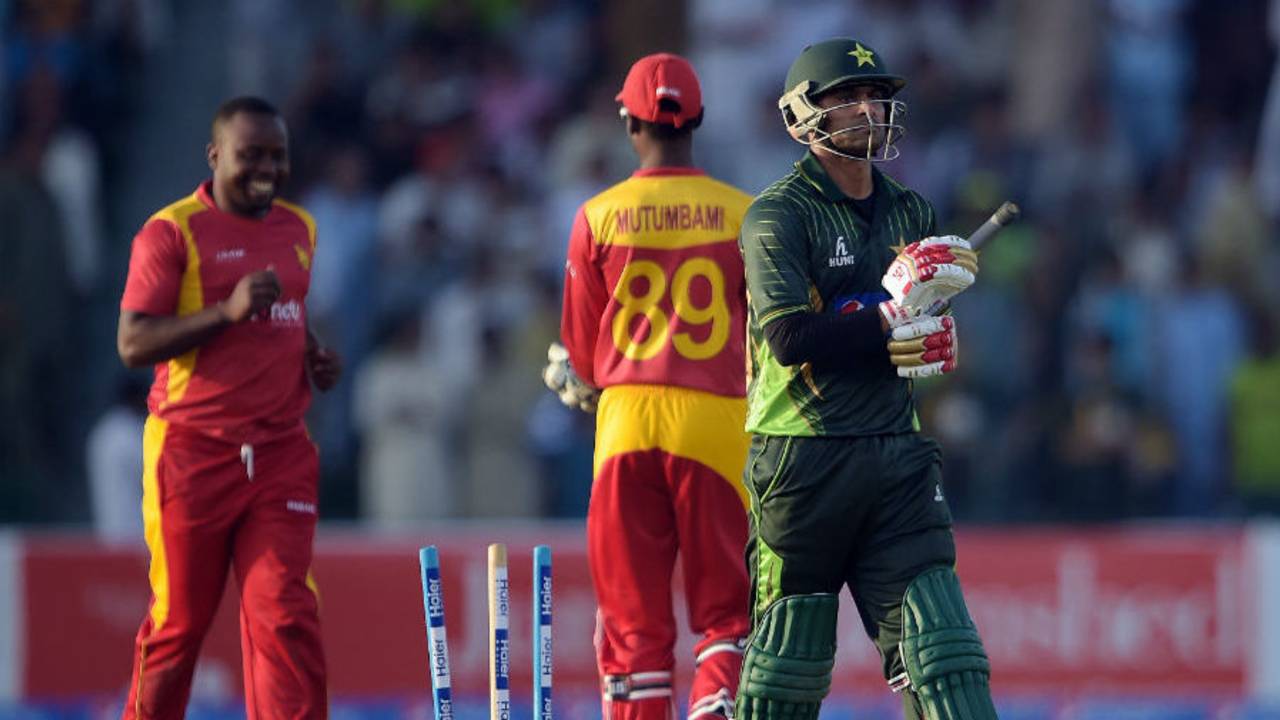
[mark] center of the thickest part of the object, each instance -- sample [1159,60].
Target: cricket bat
[1004,215]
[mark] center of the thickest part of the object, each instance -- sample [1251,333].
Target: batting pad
[786,671]
[942,652]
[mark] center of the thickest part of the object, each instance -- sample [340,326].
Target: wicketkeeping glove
[924,347]
[928,273]
[564,382]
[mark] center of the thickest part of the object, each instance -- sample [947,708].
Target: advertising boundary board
[1100,612]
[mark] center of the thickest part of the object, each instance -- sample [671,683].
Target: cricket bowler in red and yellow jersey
[230,475]
[655,315]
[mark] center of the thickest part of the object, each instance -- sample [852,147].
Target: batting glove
[565,383]
[928,273]
[894,314]
[924,347]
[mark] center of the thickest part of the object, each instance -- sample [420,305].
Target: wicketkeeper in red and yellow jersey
[215,299]
[655,317]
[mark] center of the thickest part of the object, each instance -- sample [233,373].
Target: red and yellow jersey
[248,383]
[654,288]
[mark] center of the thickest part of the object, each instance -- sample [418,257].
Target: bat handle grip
[1005,214]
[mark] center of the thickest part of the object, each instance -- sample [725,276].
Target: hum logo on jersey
[841,257]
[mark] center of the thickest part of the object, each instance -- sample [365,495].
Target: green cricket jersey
[807,249]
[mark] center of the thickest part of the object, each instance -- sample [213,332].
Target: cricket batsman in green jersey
[846,283]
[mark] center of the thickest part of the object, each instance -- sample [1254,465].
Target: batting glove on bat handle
[930,272]
[1006,214]
[924,347]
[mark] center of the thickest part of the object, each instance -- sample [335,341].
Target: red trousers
[668,470]
[210,507]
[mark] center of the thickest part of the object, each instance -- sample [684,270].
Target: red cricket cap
[662,76]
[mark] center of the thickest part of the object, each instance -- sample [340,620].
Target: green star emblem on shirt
[864,56]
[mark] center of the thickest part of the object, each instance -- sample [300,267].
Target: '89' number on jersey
[636,343]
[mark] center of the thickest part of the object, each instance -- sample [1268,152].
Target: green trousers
[868,513]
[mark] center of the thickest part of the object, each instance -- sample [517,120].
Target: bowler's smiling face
[250,163]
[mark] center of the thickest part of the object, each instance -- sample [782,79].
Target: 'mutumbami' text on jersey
[654,284]
[249,383]
[807,249]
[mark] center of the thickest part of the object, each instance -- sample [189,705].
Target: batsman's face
[855,117]
[250,162]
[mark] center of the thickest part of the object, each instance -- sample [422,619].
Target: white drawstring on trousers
[246,457]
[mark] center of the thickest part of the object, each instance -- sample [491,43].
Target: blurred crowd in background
[1119,355]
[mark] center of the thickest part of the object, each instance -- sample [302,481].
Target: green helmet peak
[839,61]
